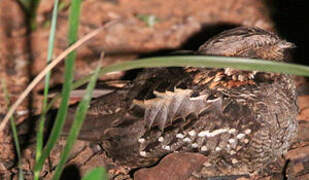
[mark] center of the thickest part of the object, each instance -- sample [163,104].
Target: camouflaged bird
[241,120]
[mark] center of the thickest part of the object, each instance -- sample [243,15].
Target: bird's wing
[104,113]
[157,98]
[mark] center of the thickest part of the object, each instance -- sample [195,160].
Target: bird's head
[249,42]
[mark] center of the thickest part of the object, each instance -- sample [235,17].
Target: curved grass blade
[204,61]
[211,62]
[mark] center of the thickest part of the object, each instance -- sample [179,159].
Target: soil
[184,24]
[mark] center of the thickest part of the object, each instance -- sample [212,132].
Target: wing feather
[167,106]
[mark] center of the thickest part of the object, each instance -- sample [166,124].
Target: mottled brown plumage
[240,120]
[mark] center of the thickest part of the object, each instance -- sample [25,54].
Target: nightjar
[241,120]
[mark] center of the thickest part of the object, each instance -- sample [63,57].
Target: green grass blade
[16,141]
[69,67]
[212,62]
[14,131]
[77,124]
[204,61]
[98,173]
[199,61]
[39,141]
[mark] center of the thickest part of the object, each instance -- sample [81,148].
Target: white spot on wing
[142,153]
[203,133]
[231,141]
[192,133]
[141,140]
[187,139]
[240,136]
[161,139]
[194,145]
[168,148]
[218,149]
[233,130]
[206,164]
[213,133]
[247,131]
[234,161]
[204,148]
[179,136]
[232,152]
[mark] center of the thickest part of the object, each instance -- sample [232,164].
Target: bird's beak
[286,45]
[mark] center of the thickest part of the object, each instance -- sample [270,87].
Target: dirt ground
[179,24]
